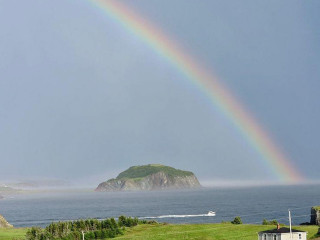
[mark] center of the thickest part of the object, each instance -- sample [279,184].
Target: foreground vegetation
[221,231]
[84,229]
[154,231]
[12,233]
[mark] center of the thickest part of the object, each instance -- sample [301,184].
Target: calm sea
[252,204]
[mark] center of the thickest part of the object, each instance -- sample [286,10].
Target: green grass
[203,231]
[317,208]
[221,231]
[137,172]
[12,233]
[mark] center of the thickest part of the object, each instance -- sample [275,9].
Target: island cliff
[150,177]
[315,215]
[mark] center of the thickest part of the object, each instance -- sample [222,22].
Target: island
[150,177]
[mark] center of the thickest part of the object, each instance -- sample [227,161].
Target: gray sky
[81,96]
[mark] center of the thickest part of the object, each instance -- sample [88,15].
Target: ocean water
[252,204]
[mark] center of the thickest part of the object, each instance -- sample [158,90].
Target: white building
[282,234]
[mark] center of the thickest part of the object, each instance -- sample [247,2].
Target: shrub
[272,222]
[34,233]
[237,220]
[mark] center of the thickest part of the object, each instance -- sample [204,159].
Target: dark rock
[305,224]
[315,215]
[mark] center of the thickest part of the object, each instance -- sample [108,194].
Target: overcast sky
[80,97]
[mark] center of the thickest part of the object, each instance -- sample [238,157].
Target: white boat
[210,213]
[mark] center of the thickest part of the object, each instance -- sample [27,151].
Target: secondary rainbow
[220,96]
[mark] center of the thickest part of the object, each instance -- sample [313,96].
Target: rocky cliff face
[315,215]
[4,223]
[155,181]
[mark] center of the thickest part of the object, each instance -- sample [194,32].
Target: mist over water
[252,204]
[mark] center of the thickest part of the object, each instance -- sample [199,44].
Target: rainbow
[218,94]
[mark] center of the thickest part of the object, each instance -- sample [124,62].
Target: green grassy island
[145,170]
[150,177]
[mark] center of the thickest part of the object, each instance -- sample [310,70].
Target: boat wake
[209,214]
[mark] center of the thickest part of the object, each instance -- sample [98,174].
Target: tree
[122,221]
[237,220]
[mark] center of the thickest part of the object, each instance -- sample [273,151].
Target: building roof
[281,230]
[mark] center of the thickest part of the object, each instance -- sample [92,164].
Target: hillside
[4,223]
[145,170]
[150,177]
[5,189]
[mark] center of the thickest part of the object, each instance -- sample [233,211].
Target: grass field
[12,233]
[203,231]
[181,231]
